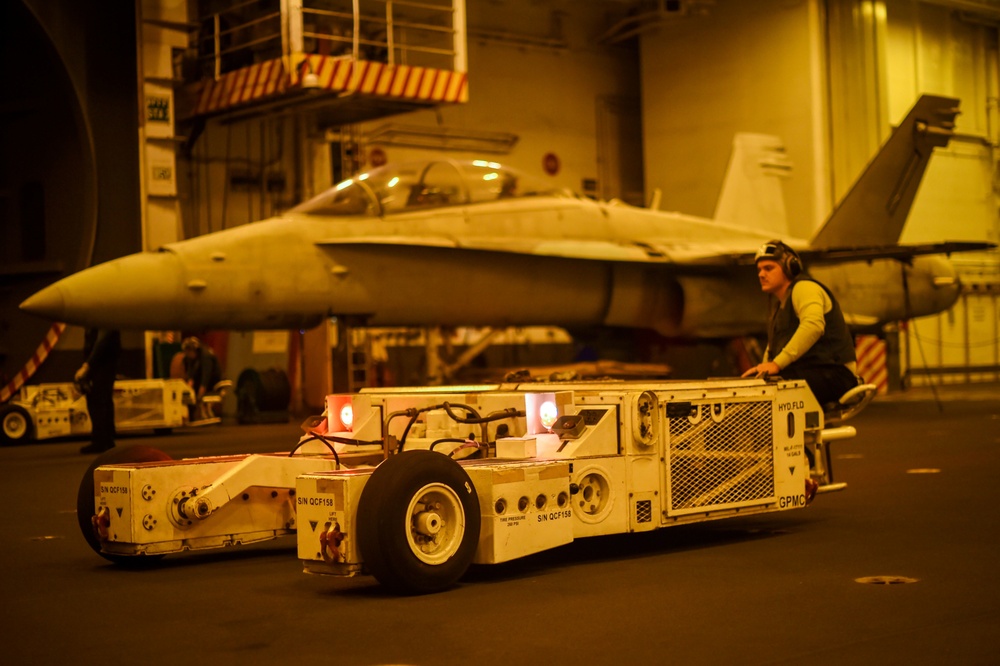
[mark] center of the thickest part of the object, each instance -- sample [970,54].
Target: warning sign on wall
[159,111]
[161,171]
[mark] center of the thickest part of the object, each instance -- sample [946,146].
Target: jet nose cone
[138,291]
[47,303]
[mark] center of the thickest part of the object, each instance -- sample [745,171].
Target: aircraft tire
[418,522]
[16,426]
[85,499]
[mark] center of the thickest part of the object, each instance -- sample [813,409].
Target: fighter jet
[475,243]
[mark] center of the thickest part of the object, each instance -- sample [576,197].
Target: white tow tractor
[414,485]
[44,411]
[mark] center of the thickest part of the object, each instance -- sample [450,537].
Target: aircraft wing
[835,255]
[860,320]
[668,253]
[691,254]
[840,255]
[412,241]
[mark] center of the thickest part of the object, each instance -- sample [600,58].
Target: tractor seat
[849,404]
[220,389]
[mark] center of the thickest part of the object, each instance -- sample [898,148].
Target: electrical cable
[443,440]
[313,436]
[482,420]
[474,419]
[413,413]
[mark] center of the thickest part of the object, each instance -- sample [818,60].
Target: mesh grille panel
[145,404]
[731,461]
[643,511]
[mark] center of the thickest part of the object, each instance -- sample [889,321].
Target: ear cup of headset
[793,265]
[789,259]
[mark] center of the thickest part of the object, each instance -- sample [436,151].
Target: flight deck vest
[835,346]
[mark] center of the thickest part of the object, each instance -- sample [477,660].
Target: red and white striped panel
[871,361]
[33,363]
[426,84]
[336,74]
[241,86]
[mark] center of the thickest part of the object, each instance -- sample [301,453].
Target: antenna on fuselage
[654,203]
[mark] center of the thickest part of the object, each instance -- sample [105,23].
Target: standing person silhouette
[96,380]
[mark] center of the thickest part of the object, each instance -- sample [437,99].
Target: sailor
[96,380]
[201,370]
[807,337]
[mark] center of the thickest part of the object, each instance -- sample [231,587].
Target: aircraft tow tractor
[415,485]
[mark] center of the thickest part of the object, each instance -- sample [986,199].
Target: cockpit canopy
[413,186]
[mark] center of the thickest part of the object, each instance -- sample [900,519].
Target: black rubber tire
[383,523]
[262,397]
[14,411]
[85,498]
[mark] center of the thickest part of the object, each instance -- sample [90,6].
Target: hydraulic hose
[474,418]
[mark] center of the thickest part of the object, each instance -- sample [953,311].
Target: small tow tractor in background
[415,485]
[57,410]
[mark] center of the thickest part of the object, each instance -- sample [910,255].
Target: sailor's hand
[82,373]
[768,369]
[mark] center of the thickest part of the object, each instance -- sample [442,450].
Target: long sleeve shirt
[810,302]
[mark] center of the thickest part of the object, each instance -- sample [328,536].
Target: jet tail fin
[875,209]
[752,195]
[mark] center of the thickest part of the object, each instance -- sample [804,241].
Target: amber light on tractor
[547,414]
[339,413]
[542,411]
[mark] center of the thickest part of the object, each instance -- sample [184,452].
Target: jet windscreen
[347,198]
[414,186]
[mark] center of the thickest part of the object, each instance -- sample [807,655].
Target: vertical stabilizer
[875,209]
[752,195]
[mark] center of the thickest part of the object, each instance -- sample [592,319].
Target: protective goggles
[768,251]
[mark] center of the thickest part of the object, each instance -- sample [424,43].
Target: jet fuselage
[546,258]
